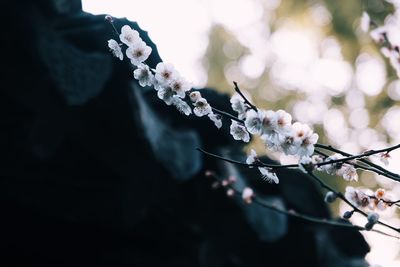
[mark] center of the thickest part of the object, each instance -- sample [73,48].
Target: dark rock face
[95,170]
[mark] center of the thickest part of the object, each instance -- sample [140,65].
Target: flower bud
[109,18]
[348,214]
[247,195]
[330,197]
[194,96]
[373,217]
[225,182]
[368,226]
[230,192]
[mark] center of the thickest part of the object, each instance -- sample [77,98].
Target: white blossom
[181,105]
[348,172]
[138,52]
[216,118]
[251,158]
[194,96]
[165,73]
[271,141]
[129,36]
[238,105]
[201,107]
[156,84]
[143,75]
[283,121]
[268,175]
[269,122]
[356,197]
[239,132]
[287,142]
[365,22]
[166,94]
[115,49]
[180,86]
[305,138]
[247,195]
[254,121]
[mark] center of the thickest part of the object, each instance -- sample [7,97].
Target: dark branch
[237,89]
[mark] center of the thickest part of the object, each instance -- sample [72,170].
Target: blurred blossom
[355,99]
[311,111]
[394,90]
[295,46]
[335,126]
[290,77]
[359,118]
[367,136]
[392,27]
[252,66]
[391,122]
[330,48]
[370,74]
[320,15]
[334,75]
[233,73]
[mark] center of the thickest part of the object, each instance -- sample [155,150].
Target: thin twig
[307,218]
[389,174]
[342,197]
[310,172]
[237,89]
[258,164]
[359,166]
[226,114]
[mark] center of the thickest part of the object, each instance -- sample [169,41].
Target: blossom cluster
[346,170]
[274,127]
[366,198]
[386,36]
[171,87]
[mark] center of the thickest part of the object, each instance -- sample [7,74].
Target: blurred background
[308,57]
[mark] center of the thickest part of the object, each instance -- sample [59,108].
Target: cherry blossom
[202,107]
[115,49]
[239,132]
[247,195]
[138,52]
[129,36]
[143,75]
